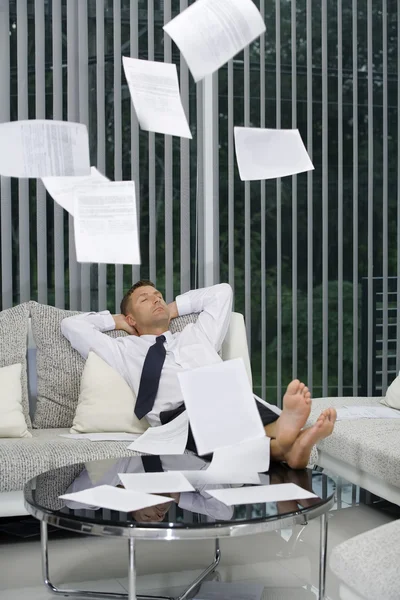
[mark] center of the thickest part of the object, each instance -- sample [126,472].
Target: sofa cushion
[60,367]
[392,397]
[369,563]
[13,346]
[12,420]
[371,445]
[24,458]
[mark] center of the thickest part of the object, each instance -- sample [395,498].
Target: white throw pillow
[392,397]
[106,402]
[12,420]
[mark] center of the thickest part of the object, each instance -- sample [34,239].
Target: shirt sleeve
[205,505]
[214,305]
[85,333]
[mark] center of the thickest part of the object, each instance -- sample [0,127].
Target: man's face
[148,309]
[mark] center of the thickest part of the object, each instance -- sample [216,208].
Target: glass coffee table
[203,521]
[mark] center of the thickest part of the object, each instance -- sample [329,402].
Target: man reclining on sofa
[150,357]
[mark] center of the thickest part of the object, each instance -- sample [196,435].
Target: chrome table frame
[216,532]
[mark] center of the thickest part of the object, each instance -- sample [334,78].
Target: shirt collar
[152,338]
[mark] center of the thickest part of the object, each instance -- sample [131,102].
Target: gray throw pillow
[14,344]
[60,367]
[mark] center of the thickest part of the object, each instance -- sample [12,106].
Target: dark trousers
[267,417]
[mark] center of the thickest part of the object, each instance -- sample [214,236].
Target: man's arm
[214,305]
[85,333]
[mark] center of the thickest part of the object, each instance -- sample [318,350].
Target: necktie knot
[160,339]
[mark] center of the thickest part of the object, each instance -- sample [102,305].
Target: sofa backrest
[234,346]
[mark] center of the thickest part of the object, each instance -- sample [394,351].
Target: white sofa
[22,459]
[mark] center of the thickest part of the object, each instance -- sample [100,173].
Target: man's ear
[131,321]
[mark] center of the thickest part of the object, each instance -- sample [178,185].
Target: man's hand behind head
[122,325]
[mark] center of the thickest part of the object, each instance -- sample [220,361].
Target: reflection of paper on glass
[216,590]
[210,32]
[42,148]
[62,189]
[209,477]
[113,498]
[346,413]
[248,456]
[105,224]
[223,391]
[155,95]
[165,439]
[270,153]
[156,483]
[262,493]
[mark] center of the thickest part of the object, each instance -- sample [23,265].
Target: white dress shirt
[197,502]
[196,346]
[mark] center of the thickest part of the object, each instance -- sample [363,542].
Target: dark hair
[124,307]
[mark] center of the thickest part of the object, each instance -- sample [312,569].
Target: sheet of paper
[216,590]
[262,493]
[209,477]
[220,405]
[62,189]
[105,224]
[43,148]
[166,439]
[156,483]
[108,496]
[272,407]
[155,95]
[75,436]
[346,413]
[211,32]
[247,457]
[270,153]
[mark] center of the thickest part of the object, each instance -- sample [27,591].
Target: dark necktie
[150,378]
[152,464]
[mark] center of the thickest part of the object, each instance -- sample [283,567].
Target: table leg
[323,541]
[132,570]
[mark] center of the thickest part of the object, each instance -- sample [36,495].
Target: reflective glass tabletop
[189,515]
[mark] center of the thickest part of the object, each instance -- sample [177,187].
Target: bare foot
[296,409]
[298,456]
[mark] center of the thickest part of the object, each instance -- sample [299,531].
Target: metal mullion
[231,180]
[135,144]
[83,75]
[5,182]
[370,241]
[340,197]
[385,228]
[184,178]
[23,184]
[263,222]
[325,196]
[168,181]
[247,208]
[398,197]
[200,271]
[152,159]
[355,195]
[278,209]
[101,132]
[294,194]
[117,127]
[72,114]
[310,277]
[57,66]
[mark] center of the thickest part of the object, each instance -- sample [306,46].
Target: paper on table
[249,456]
[62,189]
[209,477]
[211,32]
[155,95]
[165,439]
[156,483]
[105,224]
[270,153]
[223,391]
[262,493]
[43,148]
[366,412]
[113,498]
[212,590]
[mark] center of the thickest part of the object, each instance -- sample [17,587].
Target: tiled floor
[287,570]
